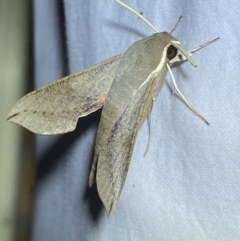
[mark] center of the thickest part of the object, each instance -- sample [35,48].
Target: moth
[126,86]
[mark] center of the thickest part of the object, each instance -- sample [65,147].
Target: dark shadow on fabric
[50,159]
[63,37]
[91,196]
[94,203]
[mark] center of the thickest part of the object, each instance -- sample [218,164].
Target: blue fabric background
[188,185]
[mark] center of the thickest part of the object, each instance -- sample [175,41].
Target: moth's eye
[171,52]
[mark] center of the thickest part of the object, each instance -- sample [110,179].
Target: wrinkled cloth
[188,185]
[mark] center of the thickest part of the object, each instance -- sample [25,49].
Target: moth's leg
[183,98]
[181,57]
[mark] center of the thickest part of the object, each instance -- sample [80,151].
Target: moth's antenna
[138,14]
[176,24]
[181,57]
[183,98]
[203,45]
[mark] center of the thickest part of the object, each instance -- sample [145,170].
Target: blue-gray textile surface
[188,185]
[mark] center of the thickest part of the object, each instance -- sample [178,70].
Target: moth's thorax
[137,64]
[142,57]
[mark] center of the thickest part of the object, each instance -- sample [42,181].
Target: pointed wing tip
[108,203]
[108,213]
[109,209]
[11,116]
[42,128]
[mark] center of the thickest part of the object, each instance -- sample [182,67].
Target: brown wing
[114,159]
[55,108]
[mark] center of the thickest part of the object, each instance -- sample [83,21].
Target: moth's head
[171,46]
[165,39]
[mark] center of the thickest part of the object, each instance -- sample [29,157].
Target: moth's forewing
[115,157]
[55,108]
[125,109]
